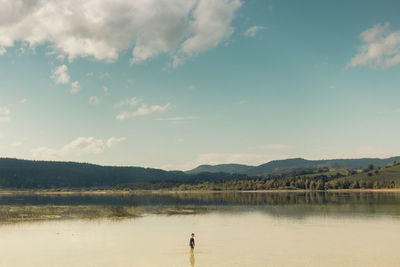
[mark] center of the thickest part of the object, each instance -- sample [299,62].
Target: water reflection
[228,236]
[299,205]
[220,199]
[191,259]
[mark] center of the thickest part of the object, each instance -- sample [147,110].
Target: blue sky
[174,84]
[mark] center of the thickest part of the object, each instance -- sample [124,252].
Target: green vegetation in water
[21,213]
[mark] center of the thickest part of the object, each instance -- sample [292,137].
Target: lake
[232,229]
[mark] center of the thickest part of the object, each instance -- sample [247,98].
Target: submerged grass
[25,213]
[17,213]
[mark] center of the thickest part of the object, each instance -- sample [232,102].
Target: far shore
[125,192]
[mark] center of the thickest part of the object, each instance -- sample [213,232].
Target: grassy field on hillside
[384,174]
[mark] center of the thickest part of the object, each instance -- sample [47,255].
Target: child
[191,243]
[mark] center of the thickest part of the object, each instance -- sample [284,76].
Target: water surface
[232,229]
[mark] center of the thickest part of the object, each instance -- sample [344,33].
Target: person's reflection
[191,259]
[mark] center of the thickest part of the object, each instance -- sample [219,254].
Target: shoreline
[127,192]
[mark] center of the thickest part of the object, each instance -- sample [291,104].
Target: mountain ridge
[287,165]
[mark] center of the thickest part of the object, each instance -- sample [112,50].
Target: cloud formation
[143,110]
[94,100]
[210,25]
[78,147]
[381,48]
[103,28]
[5,113]
[60,75]
[133,101]
[252,31]
[75,87]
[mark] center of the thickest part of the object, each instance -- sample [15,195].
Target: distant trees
[394,163]
[55,175]
[288,183]
[371,167]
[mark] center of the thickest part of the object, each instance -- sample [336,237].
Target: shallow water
[300,229]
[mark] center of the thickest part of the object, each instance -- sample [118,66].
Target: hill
[383,175]
[369,178]
[290,165]
[15,173]
[227,168]
[27,174]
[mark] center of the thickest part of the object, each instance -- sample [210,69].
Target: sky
[174,84]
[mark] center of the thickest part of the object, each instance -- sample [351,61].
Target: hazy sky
[177,83]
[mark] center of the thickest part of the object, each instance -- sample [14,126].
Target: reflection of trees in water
[288,198]
[292,204]
[222,198]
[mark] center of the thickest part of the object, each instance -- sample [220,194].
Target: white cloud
[78,147]
[5,113]
[177,120]
[381,48]
[60,57]
[242,102]
[143,110]
[271,147]
[114,140]
[75,87]
[396,110]
[372,34]
[23,101]
[60,74]
[133,101]
[94,100]
[20,51]
[210,25]
[2,50]
[253,30]
[105,89]
[103,28]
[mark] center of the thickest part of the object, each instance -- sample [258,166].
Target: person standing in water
[191,243]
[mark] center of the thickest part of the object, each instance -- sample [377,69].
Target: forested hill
[228,168]
[289,165]
[15,173]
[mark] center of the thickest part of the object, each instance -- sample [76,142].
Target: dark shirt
[191,243]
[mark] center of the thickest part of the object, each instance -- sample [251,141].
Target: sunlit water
[330,231]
